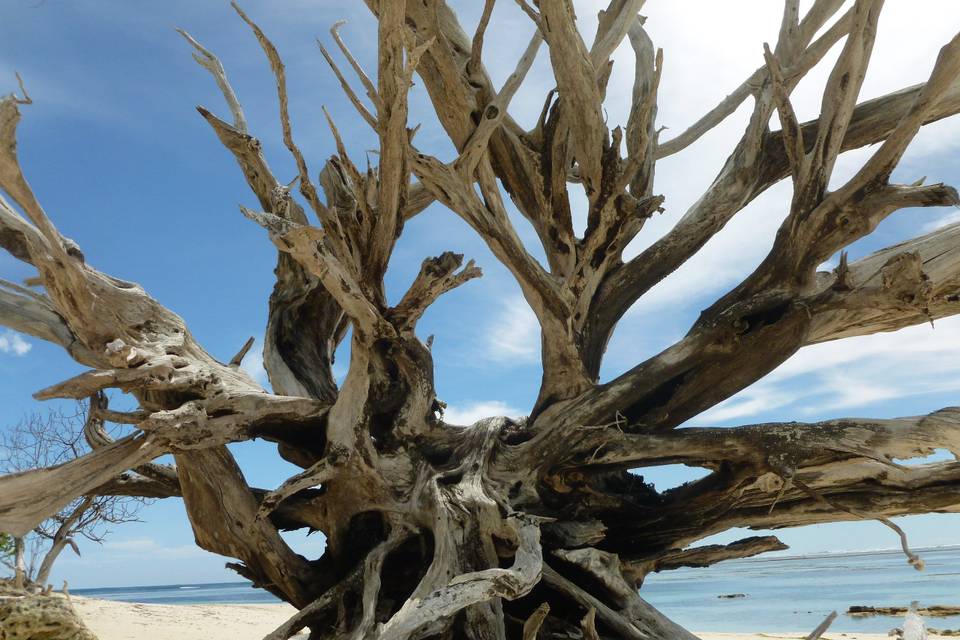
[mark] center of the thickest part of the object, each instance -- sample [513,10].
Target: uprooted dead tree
[506,528]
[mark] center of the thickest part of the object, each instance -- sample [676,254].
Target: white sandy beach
[124,621]
[111,620]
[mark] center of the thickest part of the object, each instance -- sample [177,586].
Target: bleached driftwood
[530,528]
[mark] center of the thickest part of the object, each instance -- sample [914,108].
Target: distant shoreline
[843,554]
[762,558]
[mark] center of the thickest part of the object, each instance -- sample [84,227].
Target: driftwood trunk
[19,564]
[512,528]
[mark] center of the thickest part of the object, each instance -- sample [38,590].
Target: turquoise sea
[797,593]
[781,594]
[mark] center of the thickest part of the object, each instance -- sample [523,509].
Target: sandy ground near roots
[126,621]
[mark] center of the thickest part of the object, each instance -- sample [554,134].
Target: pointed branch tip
[237,359]
[23,89]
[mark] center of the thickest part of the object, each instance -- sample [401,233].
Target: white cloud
[470,412]
[853,374]
[748,404]
[253,364]
[135,547]
[12,343]
[951,217]
[702,65]
[514,336]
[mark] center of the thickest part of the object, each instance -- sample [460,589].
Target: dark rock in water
[730,596]
[41,618]
[897,632]
[927,612]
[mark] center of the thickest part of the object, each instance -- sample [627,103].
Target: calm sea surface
[788,594]
[796,594]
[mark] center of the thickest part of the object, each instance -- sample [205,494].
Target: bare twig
[364,78]
[347,89]
[236,360]
[211,63]
[276,64]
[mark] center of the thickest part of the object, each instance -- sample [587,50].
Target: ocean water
[208,593]
[796,594]
[782,594]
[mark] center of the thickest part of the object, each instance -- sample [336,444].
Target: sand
[127,621]
[124,621]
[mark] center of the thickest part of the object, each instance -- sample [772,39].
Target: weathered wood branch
[437,276]
[276,65]
[911,283]
[489,219]
[132,485]
[149,352]
[32,313]
[872,121]
[308,246]
[150,477]
[839,100]
[223,511]
[29,497]
[419,615]
[815,18]
[790,444]
[703,556]
[614,23]
[301,311]
[819,224]
[430,527]
[646,623]
[394,75]
[344,84]
[773,305]
[206,59]
[576,78]
[765,476]
[459,96]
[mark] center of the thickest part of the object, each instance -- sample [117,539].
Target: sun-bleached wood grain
[510,528]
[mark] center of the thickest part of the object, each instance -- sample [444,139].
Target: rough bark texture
[530,528]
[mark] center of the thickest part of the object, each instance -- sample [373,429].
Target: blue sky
[125,166]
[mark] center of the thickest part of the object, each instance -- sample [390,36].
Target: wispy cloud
[685,93]
[951,217]
[12,343]
[151,546]
[514,335]
[470,412]
[48,91]
[138,547]
[253,365]
[856,373]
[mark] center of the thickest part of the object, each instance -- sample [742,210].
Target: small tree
[45,441]
[510,527]
[8,555]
